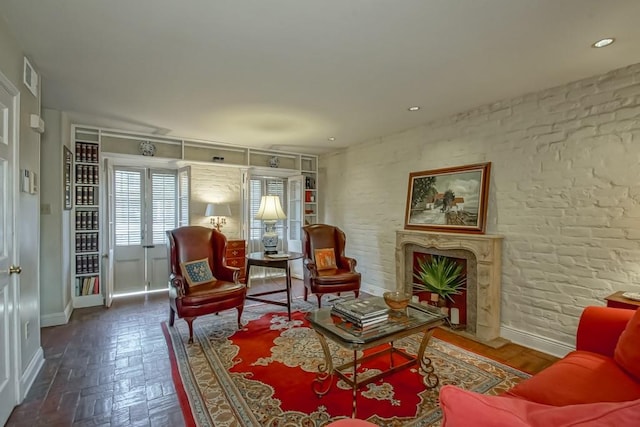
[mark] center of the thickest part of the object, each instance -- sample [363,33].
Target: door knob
[15,269]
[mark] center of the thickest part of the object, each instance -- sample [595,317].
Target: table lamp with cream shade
[218,213]
[269,212]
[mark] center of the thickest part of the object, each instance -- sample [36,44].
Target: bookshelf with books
[309,168]
[86,286]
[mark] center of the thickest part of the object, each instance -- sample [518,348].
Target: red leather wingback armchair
[342,278]
[192,243]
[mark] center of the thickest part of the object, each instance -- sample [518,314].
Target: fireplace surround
[483,253]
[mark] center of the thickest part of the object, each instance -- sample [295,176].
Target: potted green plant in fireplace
[439,275]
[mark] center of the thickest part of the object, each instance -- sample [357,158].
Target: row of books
[362,313]
[87,264]
[87,285]
[86,195]
[86,174]
[86,152]
[87,220]
[87,242]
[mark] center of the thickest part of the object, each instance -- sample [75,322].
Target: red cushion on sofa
[581,377]
[463,408]
[627,352]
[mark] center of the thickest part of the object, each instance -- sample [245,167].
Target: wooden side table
[259,259]
[618,301]
[234,255]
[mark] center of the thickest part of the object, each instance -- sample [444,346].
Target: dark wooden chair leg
[306,293]
[240,308]
[357,292]
[172,316]
[319,299]
[189,321]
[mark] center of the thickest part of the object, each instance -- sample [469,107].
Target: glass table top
[414,319]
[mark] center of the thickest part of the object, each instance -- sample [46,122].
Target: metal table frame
[324,378]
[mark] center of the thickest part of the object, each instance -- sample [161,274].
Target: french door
[145,205]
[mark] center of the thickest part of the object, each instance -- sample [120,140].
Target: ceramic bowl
[397,300]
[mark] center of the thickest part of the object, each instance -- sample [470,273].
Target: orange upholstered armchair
[200,282]
[326,268]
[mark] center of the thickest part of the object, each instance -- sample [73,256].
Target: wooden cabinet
[236,256]
[618,301]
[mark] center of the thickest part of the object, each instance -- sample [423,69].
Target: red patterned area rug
[262,375]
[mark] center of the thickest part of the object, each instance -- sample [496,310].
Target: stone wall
[564,192]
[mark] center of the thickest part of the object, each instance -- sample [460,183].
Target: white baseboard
[30,374]
[536,342]
[56,319]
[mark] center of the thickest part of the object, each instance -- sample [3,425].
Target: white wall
[55,290]
[564,192]
[216,184]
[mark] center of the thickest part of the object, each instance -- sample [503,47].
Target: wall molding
[55,319]
[536,342]
[30,374]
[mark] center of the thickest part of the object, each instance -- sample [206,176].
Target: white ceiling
[290,73]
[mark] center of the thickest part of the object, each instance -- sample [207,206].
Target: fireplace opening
[464,303]
[453,304]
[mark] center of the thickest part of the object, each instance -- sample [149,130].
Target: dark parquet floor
[110,367]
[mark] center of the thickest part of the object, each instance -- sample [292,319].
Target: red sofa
[598,384]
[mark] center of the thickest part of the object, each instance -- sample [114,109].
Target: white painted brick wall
[216,184]
[565,193]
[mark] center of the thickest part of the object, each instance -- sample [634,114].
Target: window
[133,217]
[163,200]
[128,207]
[259,187]
[183,196]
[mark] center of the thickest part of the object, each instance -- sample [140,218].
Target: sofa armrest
[600,328]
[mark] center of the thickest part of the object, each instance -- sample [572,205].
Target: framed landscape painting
[450,199]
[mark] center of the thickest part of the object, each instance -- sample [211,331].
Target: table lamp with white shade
[269,212]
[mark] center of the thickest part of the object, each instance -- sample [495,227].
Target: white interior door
[294,221]
[145,206]
[8,283]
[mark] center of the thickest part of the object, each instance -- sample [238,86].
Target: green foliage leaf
[440,275]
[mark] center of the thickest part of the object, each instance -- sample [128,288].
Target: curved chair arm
[351,262]
[179,284]
[227,273]
[311,266]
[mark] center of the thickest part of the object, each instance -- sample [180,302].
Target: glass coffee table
[413,320]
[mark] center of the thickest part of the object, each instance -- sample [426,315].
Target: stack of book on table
[362,313]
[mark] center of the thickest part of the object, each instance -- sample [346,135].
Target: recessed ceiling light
[603,42]
[332,138]
[414,108]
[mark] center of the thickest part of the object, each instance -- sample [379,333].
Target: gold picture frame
[451,199]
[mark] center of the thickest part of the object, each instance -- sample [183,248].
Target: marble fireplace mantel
[487,250]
